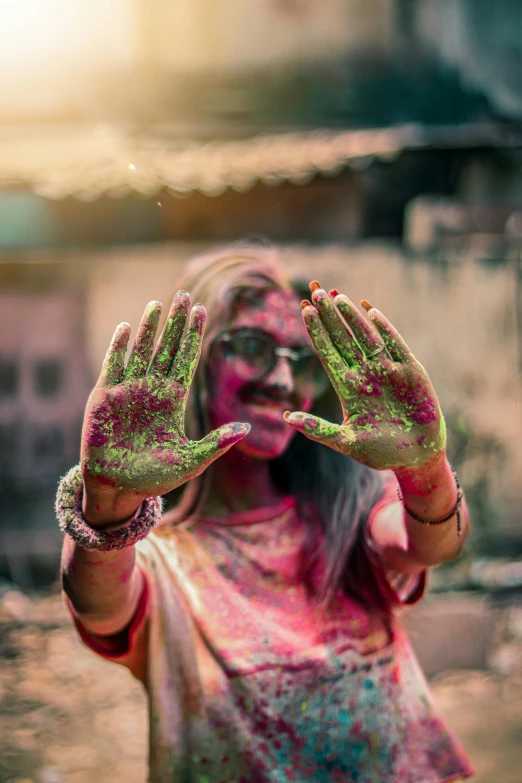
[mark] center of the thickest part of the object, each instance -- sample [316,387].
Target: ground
[66,715]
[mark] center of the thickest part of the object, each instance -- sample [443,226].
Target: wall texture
[459,319]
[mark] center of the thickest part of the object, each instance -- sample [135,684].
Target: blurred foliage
[479,459]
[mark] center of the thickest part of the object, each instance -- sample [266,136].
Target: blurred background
[380,142]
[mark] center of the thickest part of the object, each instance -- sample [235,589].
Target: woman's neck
[239,483]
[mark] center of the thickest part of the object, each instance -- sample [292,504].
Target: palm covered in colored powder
[391,414]
[133,438]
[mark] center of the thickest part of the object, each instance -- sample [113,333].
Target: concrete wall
[40,419]
[459,319]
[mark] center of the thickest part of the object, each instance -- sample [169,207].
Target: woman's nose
[282,377]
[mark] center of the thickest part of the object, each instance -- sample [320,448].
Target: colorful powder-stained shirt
[252,680]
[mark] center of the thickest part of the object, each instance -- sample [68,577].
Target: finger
[320,430]
[170,339]
[393,341]
[368,339]
[217,443]
[114,362]
[336,368]
[186,361]
[341,336]
[139,358]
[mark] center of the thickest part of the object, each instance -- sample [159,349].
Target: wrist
[426,477]
[69,503]
[102,505]
[428,490]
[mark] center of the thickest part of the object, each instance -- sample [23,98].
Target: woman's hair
[334,494]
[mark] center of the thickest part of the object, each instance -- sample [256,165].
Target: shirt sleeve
[128,646]
[398,589]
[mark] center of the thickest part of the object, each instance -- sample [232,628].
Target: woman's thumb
[219,441]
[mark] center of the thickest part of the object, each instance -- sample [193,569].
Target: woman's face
[261,402]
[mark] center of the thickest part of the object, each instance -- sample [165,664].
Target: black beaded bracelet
[454,510]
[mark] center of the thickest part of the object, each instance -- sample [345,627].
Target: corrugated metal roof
[89,162]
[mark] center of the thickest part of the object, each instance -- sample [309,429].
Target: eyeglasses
[254,355]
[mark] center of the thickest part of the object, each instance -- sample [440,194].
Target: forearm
[103,587]
[430,492]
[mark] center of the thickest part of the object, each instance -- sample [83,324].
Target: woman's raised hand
[133,438]
[392,418]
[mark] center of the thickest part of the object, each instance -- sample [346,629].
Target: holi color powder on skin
[134,437]
[261,403]
[392,417]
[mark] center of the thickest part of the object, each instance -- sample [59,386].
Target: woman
[261,613]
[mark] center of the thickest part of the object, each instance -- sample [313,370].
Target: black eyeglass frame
[277,350]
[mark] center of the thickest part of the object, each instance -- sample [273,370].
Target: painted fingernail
[230,435]
[365,303]
[334,292]
[305,303]
[199,314]
[314,285]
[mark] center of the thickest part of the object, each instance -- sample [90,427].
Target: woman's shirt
[252,680]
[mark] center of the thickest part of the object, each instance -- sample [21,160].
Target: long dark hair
[334,494]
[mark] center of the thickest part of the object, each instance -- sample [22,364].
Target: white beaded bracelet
[71,521]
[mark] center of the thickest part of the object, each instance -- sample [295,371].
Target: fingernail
[365,303]
[229,437]
[305,303]
[314,285]
[240,427]
[334,292]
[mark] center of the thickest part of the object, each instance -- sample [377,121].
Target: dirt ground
[66,715]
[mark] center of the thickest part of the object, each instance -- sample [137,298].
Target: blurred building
[164,126]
